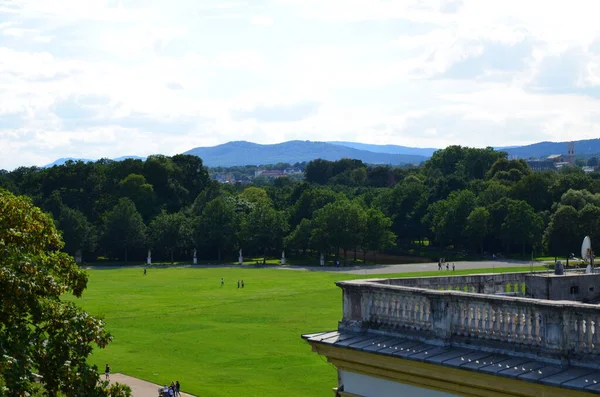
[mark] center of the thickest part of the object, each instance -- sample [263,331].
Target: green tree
[218,225]
[447,218]
[39,331]
[78,233]
[521,226]
[340,225]
[264,229]
[124,228]
[309,201]
[169,232]
[535,190]
[377,235]
[135,187]
[256,195]
[299,238]
[562,236]
[478,226]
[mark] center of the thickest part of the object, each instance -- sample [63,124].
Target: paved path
[139,388]
[416,267]
[382,269]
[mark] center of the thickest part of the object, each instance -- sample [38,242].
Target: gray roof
[521,368]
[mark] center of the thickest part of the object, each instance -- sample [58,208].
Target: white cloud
[104,78]
[262,20]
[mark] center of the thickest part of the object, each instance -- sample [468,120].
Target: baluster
[422,313]
[594,331]
[466,314]
[493,322]
[574,343]
[486,322]
[387,307]
[483,324]
[535,327]
[513,324]
[519,325]
[409,311]
[581,333]
[426,313]
[589,333]
[373,311]
[477,320]
[401,306]
[413,313]
[505,324]
[455,319]
[415,321]
[527,326]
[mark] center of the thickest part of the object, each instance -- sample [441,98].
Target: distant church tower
[571,153]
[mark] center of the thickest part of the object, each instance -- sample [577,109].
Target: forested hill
[248,153]
[585,149]
[393,149]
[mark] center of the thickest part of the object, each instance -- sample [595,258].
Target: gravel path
[383,269]
[139,387]
[416,267]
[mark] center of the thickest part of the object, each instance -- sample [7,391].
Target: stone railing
[555,331]
[480,283]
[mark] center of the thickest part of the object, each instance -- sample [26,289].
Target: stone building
[480,335]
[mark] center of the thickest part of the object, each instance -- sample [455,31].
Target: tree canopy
[40,332]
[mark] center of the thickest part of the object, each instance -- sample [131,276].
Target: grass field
[179,324]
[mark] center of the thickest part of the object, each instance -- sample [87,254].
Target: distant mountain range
[393,149]
[585,148]
[63,160]
[248,153]
[240,153]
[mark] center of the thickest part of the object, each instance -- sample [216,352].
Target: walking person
[242,283]
[453,267]
[447,266]
[222,282]
[145,271]
[107,372]
[177,389]
[238,283]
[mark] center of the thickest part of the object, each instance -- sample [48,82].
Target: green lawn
[179,324]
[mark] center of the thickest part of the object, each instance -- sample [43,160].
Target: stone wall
[576,287]
[479,283]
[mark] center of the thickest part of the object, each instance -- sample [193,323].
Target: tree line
[461,198]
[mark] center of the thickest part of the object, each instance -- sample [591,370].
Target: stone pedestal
[78,257]
[149,259]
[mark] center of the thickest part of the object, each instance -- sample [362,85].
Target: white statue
[241,258]
[78,257]
[283,257]
[195,257]
[322,259]
[149,260]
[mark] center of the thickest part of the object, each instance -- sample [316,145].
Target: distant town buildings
[269,174]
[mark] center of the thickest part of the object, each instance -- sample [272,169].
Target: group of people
[171,391]
[442,262]
[240,283]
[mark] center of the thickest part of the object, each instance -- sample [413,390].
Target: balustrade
[457,317]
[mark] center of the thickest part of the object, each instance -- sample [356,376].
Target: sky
[107,78]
